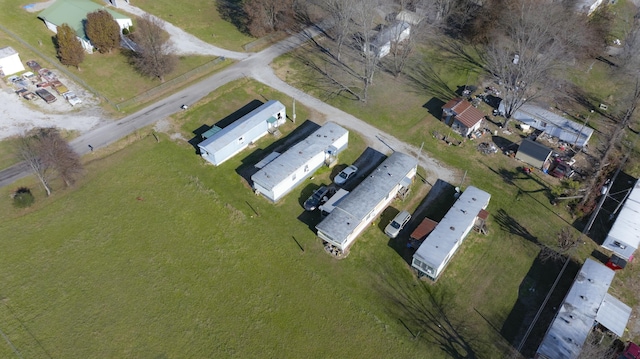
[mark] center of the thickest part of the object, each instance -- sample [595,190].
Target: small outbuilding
[9,62]
[586,304]
[220,144]
[461,116]
[534,154]
[624,236]
[439,247]
[380,45]
[285,172]
[74,13]
[356,211]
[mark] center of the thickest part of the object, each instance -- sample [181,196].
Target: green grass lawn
[200,18]
[156,254]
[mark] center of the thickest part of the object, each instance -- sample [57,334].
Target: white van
[328,206]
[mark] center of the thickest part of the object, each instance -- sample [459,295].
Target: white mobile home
[396,33]
[354,213]
[586,304]
[624,236]
[9,61]
[440,245]
[298,163]
[222,144]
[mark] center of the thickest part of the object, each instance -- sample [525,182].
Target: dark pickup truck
[46,95]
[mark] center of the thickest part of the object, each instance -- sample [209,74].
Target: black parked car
[319,196]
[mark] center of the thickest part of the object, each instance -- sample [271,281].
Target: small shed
[585,304]
[534,154]
[9,62]
[298,163]
[409,17]
[74,13]
[223,143]
[421,232]
[624,236]
[380,45]
[439,247]
[355,212]
[461,116]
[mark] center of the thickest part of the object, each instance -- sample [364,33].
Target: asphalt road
[255,66]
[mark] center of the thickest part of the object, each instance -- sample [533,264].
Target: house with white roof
[10,62]
[220,144]
[586,304]
[442,243]
[288,170]
[624,236]
[356,211]
[380,45]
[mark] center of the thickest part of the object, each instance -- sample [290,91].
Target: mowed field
[156,254]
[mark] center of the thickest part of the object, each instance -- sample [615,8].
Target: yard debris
[487,148]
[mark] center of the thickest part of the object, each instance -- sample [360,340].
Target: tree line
[152,54]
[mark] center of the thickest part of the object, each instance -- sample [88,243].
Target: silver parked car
[345,174]
[396,225]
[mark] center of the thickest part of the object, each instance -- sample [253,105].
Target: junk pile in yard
[487,148]
[41,83]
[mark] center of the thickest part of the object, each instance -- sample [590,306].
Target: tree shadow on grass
[424,78]
[426,313]
[511,225]
[531,294]
[233,12]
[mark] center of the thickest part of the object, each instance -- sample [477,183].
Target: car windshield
[343,175]
[395,224]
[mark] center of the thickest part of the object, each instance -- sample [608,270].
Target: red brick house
[461,116]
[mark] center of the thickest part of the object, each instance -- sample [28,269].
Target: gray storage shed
[534,154]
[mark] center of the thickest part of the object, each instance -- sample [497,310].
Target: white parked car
[396,225]
[72,98]
[345,174]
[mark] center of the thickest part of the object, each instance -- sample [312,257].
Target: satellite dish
[457,189]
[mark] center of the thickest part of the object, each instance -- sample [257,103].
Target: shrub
[23,198]
[125,31]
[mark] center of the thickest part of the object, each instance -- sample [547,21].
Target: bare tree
[532,39]
[154,56]
[594,347]
[266,16]
[340,12]
[364,17]
[56,153]
[565,246]
[28,148]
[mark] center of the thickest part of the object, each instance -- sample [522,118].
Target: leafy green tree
[70,51]
[103,31]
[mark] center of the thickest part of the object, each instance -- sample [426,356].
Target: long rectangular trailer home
[624,236]
[356,211]
[298,163]
[440,245]
[220,144]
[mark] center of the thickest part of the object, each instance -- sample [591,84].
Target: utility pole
[294,110]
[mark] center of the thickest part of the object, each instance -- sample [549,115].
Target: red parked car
[632,351]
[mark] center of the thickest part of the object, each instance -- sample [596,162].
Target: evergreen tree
[103,31]
[70,51]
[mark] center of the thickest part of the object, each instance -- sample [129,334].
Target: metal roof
[553,125]
[439,243]
[626,229]
[613,314]
[575,318]
[390,33]
[534,150]
[287,163]
[7,51]
[241,126]
[351,211]
[465,112]
[73,13]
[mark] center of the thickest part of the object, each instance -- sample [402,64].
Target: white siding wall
[298,176]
